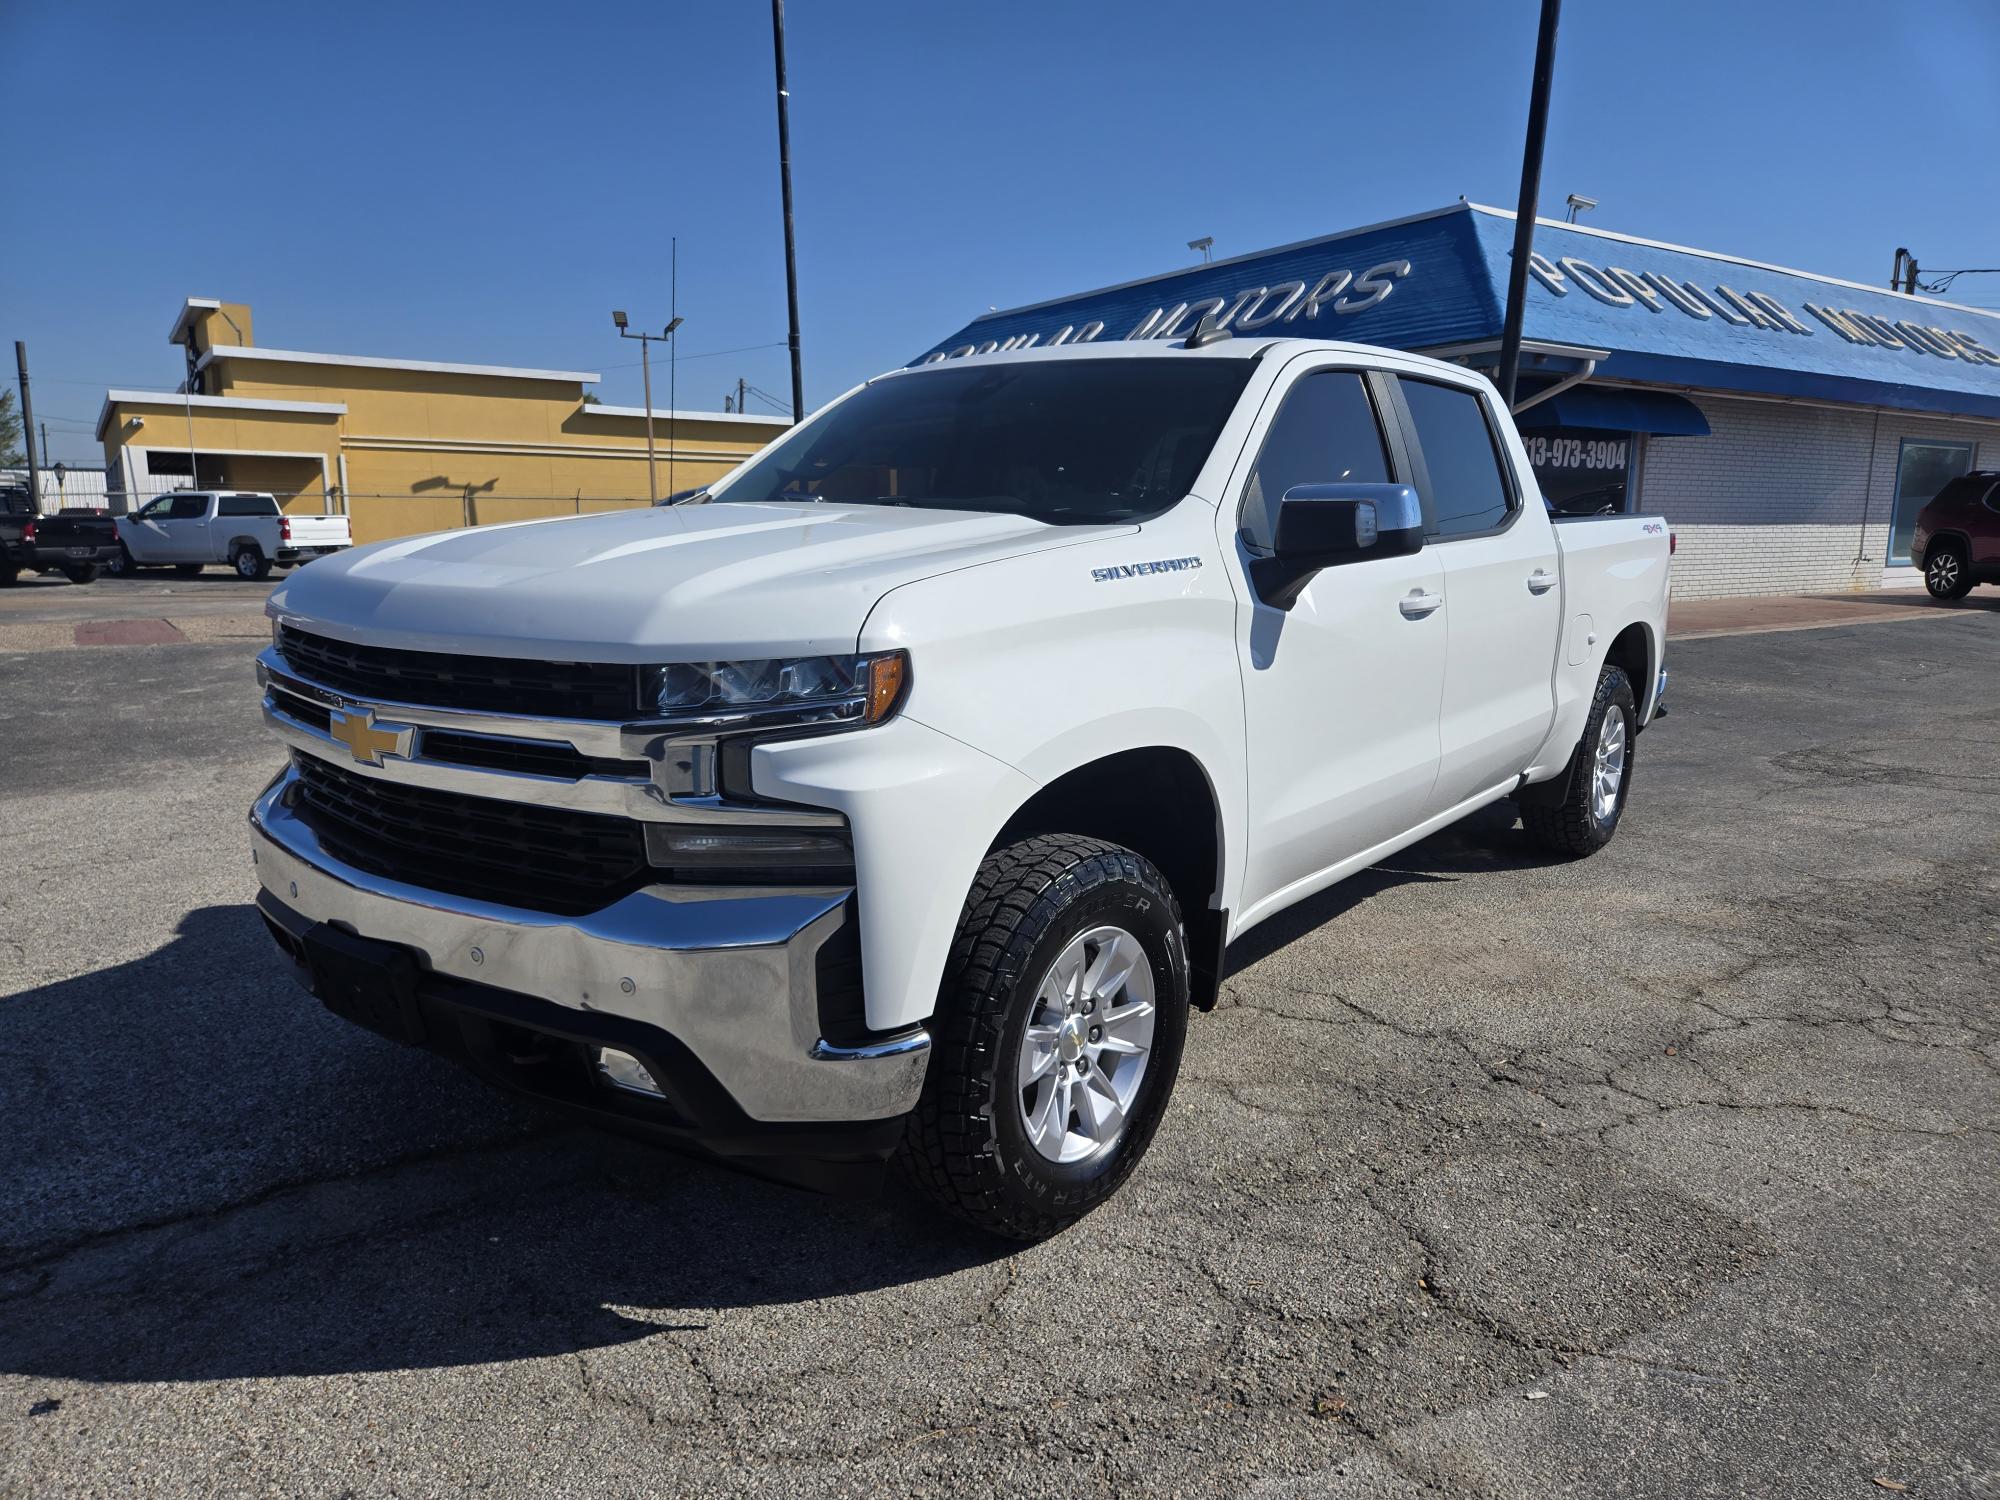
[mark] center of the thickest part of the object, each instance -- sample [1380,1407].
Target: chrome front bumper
[727,971]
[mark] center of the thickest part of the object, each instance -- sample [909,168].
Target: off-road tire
[1947,571]
[1572,826]
[83,573]
[187,570]
[966,1147]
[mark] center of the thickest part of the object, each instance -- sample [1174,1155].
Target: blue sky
[486,183]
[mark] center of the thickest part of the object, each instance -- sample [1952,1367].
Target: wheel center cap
[1069,1039]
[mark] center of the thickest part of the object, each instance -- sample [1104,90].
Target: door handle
[1416,604]
[1541,581]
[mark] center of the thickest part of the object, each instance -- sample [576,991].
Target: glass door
[1923,467]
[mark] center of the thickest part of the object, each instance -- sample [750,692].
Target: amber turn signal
[888,675]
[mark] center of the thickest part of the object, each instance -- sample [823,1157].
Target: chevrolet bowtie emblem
[368,741]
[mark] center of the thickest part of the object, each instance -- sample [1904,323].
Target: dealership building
[1787,425]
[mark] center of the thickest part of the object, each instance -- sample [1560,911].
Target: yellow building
[401,445]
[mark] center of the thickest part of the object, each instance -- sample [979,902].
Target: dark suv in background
[1957,536]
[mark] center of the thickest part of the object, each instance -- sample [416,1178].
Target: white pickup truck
[246,529]
[899,795]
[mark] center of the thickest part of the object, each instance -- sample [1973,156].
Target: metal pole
[785,178]
[28,425]
[1531,188]
[673,349]
[742,393]
[646,366]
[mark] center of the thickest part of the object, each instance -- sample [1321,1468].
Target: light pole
[1524,214]
[785,184]
[620,321]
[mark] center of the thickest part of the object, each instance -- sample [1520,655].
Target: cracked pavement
[1670,1172]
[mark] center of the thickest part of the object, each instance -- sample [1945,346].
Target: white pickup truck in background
[246,529]
[899,796]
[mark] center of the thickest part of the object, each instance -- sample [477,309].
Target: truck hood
[676,583]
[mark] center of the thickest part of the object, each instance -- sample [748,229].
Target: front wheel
[119,564]
[1057,1039]
[1945,572]
[1600,775]
[82,573]
[187,570]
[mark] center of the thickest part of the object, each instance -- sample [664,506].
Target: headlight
[838,689]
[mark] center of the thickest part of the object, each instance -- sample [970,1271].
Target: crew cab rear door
[1340,692]
[1502,575]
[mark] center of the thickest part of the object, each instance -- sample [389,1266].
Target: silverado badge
[356,728]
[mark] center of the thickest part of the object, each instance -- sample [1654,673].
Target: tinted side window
[1325,433]
[246,505]
[1468,491]
[188,508]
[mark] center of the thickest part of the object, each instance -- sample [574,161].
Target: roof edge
[1732,260]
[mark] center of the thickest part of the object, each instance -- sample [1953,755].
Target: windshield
[1069,442]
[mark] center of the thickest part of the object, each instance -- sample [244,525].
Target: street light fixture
[1205,244]
[623,325]
[1578,204]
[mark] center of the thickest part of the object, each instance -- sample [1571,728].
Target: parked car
[189,529]
[1956,540]
[899,796]
[75,543]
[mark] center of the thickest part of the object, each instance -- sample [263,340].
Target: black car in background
[76,544]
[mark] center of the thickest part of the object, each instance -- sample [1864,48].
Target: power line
[1939,281]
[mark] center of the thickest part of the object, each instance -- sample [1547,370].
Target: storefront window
[1922,469]
[1582,471]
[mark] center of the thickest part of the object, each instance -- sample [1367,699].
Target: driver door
[184,532]
[1341,692]
[145,533]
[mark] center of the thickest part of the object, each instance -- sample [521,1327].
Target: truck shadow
[211,1178]
[1490,839]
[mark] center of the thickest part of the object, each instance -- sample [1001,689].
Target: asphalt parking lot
[1669,1173]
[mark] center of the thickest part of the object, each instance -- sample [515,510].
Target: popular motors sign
[1268,308]
[1655,291]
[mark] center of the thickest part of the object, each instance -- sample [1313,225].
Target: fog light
[624,1071]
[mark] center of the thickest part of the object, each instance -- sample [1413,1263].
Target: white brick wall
[1783,499]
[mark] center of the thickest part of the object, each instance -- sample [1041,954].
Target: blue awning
[1611,410]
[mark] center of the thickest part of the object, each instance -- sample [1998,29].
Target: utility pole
[1903,274]
[28,425]
[785,179]
[46,450]
[1531,188]
[742,394]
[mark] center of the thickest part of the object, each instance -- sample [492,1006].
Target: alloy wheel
[1084,1050]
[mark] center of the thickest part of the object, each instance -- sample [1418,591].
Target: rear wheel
[1600,775]
[1946,574]
[1058,1036]
[250,563]
[82,573]
[187,570]
[9,572]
